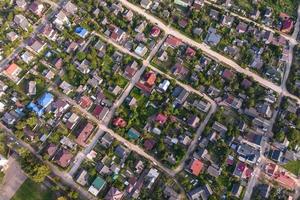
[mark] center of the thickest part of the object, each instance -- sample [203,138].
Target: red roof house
[196,167]
[190,52]
[161,118]
[150,79]
[173,41]
[63,158]
[85,102]
[119,122]
[155,31]
[83,134]
[287,25]
[227,74]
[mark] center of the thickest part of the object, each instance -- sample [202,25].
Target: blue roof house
[81,32]
[43,102]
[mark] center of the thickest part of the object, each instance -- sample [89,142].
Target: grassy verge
[293,167]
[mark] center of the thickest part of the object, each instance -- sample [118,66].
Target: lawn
[33,191]
[293,167]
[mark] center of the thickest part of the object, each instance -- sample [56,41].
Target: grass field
[293,167]
[33,191]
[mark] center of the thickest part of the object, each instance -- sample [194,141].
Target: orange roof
[151,79]
[196,167]
[285,180]
[11,69]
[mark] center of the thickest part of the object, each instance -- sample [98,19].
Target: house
[41,104]
[179,71]
[164,85]
[63,158]
[21,21]
[32,88]
[36,8]
[51,149]
[119,122]
[276,155]
[171,194]
[21,4]
[37,46]
[66,87]
[184,3]
[235,103]
[117,34]
[242,27]
[114,194]
[141,50]
[193,121]
[12,36]
[49,32]
[161,118]
[146,3]
[82,178]
[201,105]
[133,134]
[10,118]
[12,72]
[214,171]
[128,15]
[72,47]
[195,167]
[220,128]
[85,102]
[107,140]
[71,120]
[236,190]
[190,52]
[242,171]
[155,31]
[27,57]
[181,95]
[81,32]
[287,23]
[120,151]
[59,107]
[248,154]
[61,19]
[97,185]
[214,14]
[227,21]
[173,42]
[212,37]
[141,27]
[284,180]
[69,7]
[83,132]
[150,79]
[198,193]
[227,74]
[151,177]
[149,144]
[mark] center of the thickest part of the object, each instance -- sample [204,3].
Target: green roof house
[97,186]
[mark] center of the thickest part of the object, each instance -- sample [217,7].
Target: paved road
[82,155]
[267,28]
[207,51]
[14,178]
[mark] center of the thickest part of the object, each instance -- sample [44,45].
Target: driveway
[14,178]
